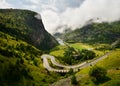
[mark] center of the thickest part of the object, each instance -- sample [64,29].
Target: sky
[60,14]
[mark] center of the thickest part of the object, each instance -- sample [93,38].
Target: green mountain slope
[21,65]
[22,39]
[95,33]
[24,25]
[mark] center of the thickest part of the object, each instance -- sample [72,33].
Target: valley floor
[111,63]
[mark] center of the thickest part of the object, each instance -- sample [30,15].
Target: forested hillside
[95,33]
[24,25]
[23,40]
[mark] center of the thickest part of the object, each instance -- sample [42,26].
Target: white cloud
[34,1]
[51,20]
[4,4]
[68,13]
[105,10]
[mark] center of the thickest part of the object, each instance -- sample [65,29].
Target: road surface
[45,58]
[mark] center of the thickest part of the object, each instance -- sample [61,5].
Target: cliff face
[28,26]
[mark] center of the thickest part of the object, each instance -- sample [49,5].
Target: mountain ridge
[24,25]
[23,39]
[94,33]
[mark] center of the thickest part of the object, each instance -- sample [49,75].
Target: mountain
[27,26]
[95,33]
[23,40]
[21,65]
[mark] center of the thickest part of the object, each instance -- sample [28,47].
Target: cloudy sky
[59,14]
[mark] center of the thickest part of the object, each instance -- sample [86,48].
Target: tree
[86,54]
[97,73]
[71,71]
[73,80]
[68,55]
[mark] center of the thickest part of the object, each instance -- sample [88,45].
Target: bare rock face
[26,25]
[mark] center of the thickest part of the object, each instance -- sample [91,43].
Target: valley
[67,68]
[31,56]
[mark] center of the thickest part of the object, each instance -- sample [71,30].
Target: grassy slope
[23,66]
[58,52]
[111,63]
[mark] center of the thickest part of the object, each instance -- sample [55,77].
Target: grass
[83,71]
[81,46]
[59,50]
[112,83]
[58,53]
[111,63]
[30,71]
[98,53]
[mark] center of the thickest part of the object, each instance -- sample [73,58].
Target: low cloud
[104,10]
[60,14]
[51,20]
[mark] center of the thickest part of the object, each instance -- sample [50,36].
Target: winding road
[45,58]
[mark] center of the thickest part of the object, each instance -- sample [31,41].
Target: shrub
[97,74]
[73,80]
